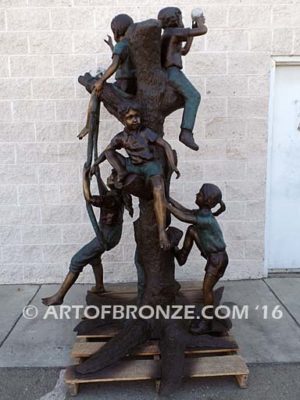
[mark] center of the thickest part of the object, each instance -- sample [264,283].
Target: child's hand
[98,87]
[93,170]
[177,173]
[200,20]
[109,41]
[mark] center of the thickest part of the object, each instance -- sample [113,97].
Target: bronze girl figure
[207,235]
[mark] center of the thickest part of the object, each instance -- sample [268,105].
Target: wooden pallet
[144,364]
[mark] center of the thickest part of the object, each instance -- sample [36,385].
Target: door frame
[275,62]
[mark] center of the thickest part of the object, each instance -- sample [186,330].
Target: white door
[283,207]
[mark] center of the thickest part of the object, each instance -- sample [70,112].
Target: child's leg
[118,162]
[58,297]
[83,257]
[98,274]
[92,115]
[203,325]
[189,239]
[192,100]
[160,209]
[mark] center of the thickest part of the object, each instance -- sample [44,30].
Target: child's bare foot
[164,241]
[186,137]
[54,300]
[97,289]
[83,133]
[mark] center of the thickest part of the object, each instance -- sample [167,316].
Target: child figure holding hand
[206,233]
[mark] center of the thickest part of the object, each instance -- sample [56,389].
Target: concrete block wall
[46,44]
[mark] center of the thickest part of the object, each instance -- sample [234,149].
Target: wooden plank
[83,350]
[133,370]
[216,366]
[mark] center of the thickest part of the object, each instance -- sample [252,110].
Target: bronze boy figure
[207,235]
[121,65]
[137,140]
[172,50]
[112,205]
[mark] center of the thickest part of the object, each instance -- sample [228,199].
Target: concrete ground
[34,352]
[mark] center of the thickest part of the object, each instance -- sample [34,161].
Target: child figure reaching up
[206,233]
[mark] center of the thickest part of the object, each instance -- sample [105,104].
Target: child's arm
[94,200]
[178,205]
[107,74]
[109,42]
[187,46]
[185,216]
[170,155]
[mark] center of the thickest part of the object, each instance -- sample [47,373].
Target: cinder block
[223,128]
[5,111]
[282,41]
[259,86]
[19,253]
[13,43]
[229,169]
[38,153]
[4,71]
[72,194]
[59,173]
[49,194]
[31,66]
[15,89]
[50,3]
[10,235]
[33,110]
[258,16]
[226,85]
[50,42]
[211,64]
[71,110]
[30,19]
[7,153]
[79,19]
[261,40]
[77,234]
[14,132]
[247,107]
[28,194]
[56,88]
[249,63]
[61,214]
[59,253]
[8,194]
[18,174]
[73,65]
[41,234]
[222,40]
[56,132]
[14,215]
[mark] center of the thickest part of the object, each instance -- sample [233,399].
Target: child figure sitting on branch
[172,51]
[207,235]
[137,140]
[121,65]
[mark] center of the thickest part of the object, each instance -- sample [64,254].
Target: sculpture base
[144,361]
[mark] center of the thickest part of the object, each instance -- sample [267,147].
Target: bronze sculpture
[150,86]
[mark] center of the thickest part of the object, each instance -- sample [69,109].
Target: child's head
[120,24]
[209,195]
[130,115]
[170,17]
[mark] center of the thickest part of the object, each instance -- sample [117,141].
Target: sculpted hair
[120,24]
[168,17]
[213,195]
[124,108]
